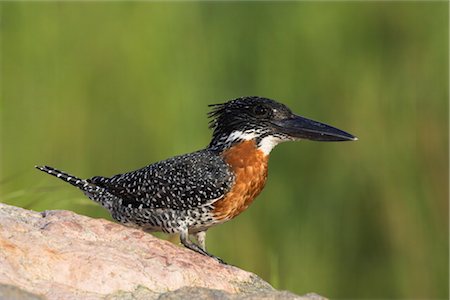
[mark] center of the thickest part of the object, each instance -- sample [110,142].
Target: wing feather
[181,182]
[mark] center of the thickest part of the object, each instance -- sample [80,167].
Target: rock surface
[62,255]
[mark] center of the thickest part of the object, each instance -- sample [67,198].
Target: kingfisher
[188,194]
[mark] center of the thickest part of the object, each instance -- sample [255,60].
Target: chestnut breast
[250,168]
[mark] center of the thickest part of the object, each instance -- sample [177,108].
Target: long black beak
[303,128]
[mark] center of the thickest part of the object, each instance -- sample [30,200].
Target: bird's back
[180,182]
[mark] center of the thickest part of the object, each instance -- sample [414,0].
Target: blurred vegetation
[103,88]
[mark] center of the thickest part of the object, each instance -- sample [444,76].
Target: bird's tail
[93,191]
[73,180]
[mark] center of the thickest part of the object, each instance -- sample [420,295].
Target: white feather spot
[241,135]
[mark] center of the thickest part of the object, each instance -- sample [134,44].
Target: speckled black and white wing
[179,183]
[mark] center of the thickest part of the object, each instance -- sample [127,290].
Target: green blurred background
[103,88]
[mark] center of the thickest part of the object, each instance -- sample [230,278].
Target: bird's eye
[261,111]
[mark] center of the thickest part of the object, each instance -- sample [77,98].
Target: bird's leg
[200,237]
[184,237]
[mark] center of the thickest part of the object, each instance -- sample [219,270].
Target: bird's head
[267,122]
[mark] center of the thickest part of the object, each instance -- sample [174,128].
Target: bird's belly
[165,220]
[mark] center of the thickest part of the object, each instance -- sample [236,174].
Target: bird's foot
[201,251]
[184,237]
[218,259]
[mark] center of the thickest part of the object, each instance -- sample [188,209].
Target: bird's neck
[263,142]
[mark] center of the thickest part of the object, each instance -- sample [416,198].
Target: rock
[62,255]
[11,292]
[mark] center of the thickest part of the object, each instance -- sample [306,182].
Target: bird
[188,194]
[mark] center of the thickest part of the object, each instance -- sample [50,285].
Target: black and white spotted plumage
[180,183]
[170,195]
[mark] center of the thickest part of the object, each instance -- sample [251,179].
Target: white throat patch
[268,143]
[265,145]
